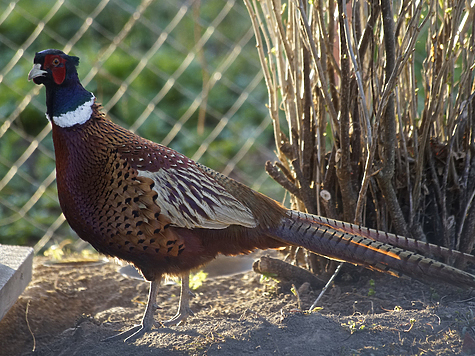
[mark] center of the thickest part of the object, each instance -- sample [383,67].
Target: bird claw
[129,335]
[179,318]
[139,330]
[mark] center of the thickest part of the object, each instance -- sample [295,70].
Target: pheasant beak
[36,71]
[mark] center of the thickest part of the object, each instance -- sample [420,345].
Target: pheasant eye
[55,62]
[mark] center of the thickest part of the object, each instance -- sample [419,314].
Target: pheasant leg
[184,310]
[147,321]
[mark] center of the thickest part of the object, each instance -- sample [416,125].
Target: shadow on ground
[68,311]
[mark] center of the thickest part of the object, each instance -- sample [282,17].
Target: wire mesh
[182,73]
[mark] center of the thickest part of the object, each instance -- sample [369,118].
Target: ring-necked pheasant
[152,206]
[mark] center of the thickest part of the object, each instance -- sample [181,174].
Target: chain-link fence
[182,73]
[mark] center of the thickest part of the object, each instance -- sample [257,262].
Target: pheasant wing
[186,194]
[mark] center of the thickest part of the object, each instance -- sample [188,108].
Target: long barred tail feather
[393,239]
[350,243]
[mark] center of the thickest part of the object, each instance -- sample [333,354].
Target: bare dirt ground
[69,310]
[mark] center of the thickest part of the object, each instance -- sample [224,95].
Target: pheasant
[166,214]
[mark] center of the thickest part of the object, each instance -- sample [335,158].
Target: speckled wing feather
[188,196]
[192,199]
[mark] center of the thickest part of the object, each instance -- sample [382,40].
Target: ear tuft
[74,60]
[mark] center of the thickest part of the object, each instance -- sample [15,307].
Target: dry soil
[69,310]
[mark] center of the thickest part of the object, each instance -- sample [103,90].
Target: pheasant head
[67,102]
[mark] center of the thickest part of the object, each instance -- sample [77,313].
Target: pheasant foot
[145,326]
[184,310]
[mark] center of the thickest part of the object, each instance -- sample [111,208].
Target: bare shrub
[371,126]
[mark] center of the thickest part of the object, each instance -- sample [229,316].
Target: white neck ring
[78,116]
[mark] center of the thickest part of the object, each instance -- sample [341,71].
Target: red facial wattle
[57,65]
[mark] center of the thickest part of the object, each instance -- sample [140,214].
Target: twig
[307,195]
[285,171]
[326,287]
[268,68]
[359,81]
[464,215]
[366,177]
[368,31]
[280,178]
[308,134]
[344,168]
[28,324]
[316,59]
